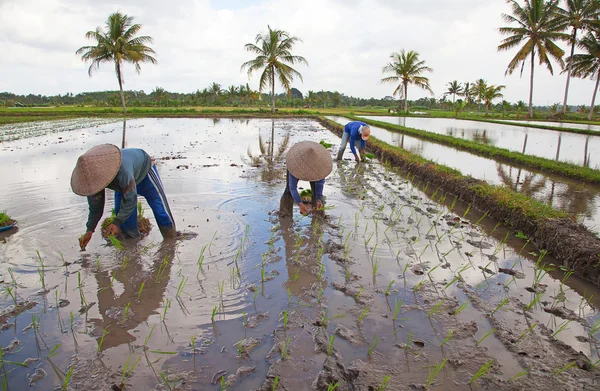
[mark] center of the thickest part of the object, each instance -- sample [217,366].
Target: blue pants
[151,189]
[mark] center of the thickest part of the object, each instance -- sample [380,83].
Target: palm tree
[232,91]
[117,44]
[454,88]
[273,56]
[537,28]
[215,90]
[467,93]
[159,94]
[579,15]
[506,106]
[492,92]
[406,69]
[520,106]
[588,64]
[478,90]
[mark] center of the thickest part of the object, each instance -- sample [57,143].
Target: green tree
[578,15]
[214,90]
[520,106]
[160,95]
[587,64]
[537,27]
[467,93]
[406,68]
[478,89]
[118,44]
[274,53]
[491,92]
[454,88]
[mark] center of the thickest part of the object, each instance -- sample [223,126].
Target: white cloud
[346,42]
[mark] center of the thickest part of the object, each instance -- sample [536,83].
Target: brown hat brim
[309,161]
[95,169]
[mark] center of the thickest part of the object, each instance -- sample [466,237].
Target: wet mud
[390,288]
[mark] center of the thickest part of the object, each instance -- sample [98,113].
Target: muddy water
[572,196]
[561,124]
[40,128]
[223,179]
[549,144]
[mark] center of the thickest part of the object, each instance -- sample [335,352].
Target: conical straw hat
[95,169]
[309,161]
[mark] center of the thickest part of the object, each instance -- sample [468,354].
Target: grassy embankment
[499,154]
[571,243]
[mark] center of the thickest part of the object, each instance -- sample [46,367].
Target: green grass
[500,154]
[4,218]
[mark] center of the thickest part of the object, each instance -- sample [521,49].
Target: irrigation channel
[549,144]
[577,198]
[396,286]
[569,125]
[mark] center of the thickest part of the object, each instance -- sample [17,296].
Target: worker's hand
[319,205]
[356,158]
[85,239]
[303,209]
[111,230]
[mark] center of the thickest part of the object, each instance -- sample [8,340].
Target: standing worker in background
[128,172]
[305,161]
[356,132]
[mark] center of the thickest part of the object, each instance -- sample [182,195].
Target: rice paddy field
[395,286]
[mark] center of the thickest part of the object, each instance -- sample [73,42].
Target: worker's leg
[286,203]
[152,190]
[130,226]
[343,143]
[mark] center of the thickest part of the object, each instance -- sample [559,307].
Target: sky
[346,43]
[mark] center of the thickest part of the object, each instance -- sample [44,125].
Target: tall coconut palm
[274,53]
[454,88]
[520,106]
[214,90]
[406,68]
[588,64]
[492,92]
[537,27]
[118,44]
[578,15]
[467,93]
[478,89]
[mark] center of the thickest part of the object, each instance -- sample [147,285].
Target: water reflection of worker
[357,133]
[299,265]
[155,282]
[128,172]
[306,161]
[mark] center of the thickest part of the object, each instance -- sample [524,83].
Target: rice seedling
[561,328]
[80,287]
[485,336]
[518,375]
[534,301]
[285,319]
[181,287]
[387,291]
[360,291]
[595,328]
[320,295]
[141,290]
[221,289]
[434,371]
[128,368]
[12,293]
[375,268]
[384,383]
[41,270]
[330,345]
[124,263]
[147,339]
[461,308]
[166,306]
[125,311]
[436,308]
[332,386]
[452,282]
[502,303]
[374,342]
[321,271]
[275,383]
[448,337]
[104,334]
[214,312]
[325,319]
[164,376]
[116,242]
[419,285]
[285,348]
[481,371]
[526,332]
[262,273]
[67,379]
[397,307]
[162,268]
[362,315]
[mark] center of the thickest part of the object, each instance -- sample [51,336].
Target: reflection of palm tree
[531,184]
[483,137]
[578,199]
[132,277]
[270,159]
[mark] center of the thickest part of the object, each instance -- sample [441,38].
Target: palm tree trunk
[487,109]
[531,85]
[272,90]
[564,108]
[118,69]
[405,97]
[591,114]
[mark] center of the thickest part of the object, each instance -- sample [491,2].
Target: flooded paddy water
[550,144]
[568,125]
[396,286]
[579,199]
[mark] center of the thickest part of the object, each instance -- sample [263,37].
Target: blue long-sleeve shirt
[352,129]
[294,188]
[135,164]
